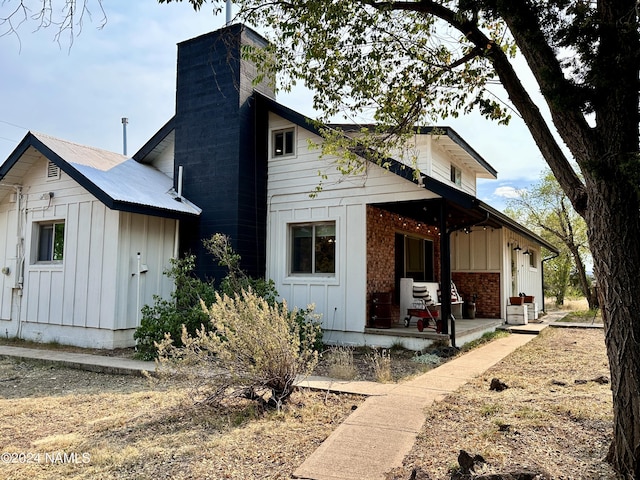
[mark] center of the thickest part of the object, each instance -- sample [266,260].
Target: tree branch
[530,113]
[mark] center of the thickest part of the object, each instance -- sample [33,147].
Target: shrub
[183,308]
[381,361]
[252,350]
[340,363]
[236,280]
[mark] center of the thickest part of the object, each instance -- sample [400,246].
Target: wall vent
[53,171]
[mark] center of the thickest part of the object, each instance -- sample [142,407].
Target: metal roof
[121,183]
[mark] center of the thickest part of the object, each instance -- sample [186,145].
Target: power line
[13,125]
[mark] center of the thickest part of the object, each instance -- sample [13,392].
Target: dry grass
[381,362]
[340,363]
[570,304]
[545,420]
[116,427]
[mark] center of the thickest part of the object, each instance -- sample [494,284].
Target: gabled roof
[156,144]
[119,182]
[461,199]
[447,138]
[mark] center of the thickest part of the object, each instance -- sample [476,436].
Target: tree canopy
[545,209]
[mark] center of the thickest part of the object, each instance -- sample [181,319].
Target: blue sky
[127,69]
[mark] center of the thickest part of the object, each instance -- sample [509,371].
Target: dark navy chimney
[221,143]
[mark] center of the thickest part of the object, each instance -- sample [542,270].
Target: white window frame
[283,132]
[37,239]
[291,250]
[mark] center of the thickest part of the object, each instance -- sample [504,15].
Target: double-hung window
[313,249]
[50,244]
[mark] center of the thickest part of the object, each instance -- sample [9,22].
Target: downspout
[138,292]
[176,239]
[19,273]
[542,276]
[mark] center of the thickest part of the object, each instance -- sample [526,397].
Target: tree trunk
[585,285]
[614,229]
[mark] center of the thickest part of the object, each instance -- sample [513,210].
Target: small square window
[313,249]
[456,175]
[50,242]
[283,142]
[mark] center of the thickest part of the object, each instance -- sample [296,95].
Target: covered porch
[466,330]
[436,241]
[413,240]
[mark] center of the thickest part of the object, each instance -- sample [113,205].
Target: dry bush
[340,363]
[254,350]
[381,362]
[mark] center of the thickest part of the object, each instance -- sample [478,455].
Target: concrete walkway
[82,361]
[378,435]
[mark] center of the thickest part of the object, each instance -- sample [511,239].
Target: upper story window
[313,249]
[50,241]
[456,175]
[283,142]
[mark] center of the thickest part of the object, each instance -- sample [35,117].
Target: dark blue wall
[221,143]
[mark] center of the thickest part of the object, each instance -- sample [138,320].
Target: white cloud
[507,192]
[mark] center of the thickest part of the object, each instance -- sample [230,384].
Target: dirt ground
[555,417]
[73,424]
[59,423]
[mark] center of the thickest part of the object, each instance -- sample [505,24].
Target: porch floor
[465,329]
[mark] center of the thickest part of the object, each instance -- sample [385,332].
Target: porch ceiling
[430,212]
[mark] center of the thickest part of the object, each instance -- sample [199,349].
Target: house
[85,237]
[91,241]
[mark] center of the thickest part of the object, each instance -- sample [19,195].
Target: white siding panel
[56,301]
[164,161]
[83,255]
[70,264]
[95,266]
[526,279]
[8,241]
[478,251]
[153,237]
[43,278]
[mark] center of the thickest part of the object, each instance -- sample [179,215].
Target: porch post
[445,271]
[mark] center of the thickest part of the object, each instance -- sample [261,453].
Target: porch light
[526,252]
[517,249]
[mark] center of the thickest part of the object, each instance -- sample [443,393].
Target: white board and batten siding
[340,299]
[477,251]
[90,298]
[520,275]
[9,254]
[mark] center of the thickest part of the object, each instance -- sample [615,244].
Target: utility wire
[13,125]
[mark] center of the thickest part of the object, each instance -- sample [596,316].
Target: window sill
[308,278]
